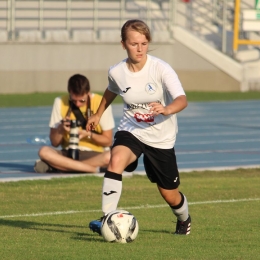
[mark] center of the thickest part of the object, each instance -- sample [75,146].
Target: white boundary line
[127,208]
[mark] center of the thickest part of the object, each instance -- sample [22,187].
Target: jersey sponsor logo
[135,106]
[148,118]
[126,89]
[150,88]
[109,193]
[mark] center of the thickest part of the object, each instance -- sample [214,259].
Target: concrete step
[246,73]
[3,36]
[247,55]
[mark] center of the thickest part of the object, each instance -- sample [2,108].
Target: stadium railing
[213,21]
[80,21]
[94,21]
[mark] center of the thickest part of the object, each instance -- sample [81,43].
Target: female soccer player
[152,95]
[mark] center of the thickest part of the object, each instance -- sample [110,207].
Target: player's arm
[173,85]
[174,107]
[107,99]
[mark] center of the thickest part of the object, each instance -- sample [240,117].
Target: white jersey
[156,82]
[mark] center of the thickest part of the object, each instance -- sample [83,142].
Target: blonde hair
[135,25]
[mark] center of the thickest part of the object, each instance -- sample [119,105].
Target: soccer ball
[119,226]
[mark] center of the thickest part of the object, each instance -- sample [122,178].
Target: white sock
[112,188]
[181,211]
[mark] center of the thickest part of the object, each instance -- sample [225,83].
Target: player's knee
[116,160]
[172,197]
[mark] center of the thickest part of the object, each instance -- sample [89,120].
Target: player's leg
[179,206]
[121,156]
[161,168]
[123,153]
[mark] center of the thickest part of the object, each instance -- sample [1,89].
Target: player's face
[136,46]
[78,100]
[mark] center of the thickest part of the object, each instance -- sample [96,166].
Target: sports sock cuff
[181,203]
[113,176]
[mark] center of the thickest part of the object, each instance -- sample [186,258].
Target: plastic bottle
[73,151]
[40,140]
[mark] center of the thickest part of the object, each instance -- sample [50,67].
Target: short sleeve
[112,86]
[171,82]
[107,120]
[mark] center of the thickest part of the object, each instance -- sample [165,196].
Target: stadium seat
[57,36]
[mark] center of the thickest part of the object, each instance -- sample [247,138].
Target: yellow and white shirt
[59,111]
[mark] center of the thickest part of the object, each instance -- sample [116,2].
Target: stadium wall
[27,68]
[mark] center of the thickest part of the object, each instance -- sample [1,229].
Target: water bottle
[40,140]
[73,151]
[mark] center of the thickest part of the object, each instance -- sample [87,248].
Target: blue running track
[212,135]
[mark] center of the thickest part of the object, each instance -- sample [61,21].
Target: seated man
[77,105]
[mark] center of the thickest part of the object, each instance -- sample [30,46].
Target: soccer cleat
[95,225]
[183,227]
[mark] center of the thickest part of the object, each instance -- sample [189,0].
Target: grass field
[49,219]
[46,99]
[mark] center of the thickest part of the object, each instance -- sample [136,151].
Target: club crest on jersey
[150,88]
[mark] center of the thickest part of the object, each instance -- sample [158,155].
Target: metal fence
[101,20]
[213,21]
[92,19]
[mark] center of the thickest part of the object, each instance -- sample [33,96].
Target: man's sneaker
[95,225]
[42,167]
[102,169]
[183,227]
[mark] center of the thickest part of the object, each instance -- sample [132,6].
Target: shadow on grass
[30,225]
[157,231]
[85,236]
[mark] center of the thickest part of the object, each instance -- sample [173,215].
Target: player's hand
[92,122]
[157,108]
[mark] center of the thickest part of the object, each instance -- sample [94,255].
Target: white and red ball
[119,226]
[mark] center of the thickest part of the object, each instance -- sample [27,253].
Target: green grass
[222,96]
[46,99]
[221,228]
